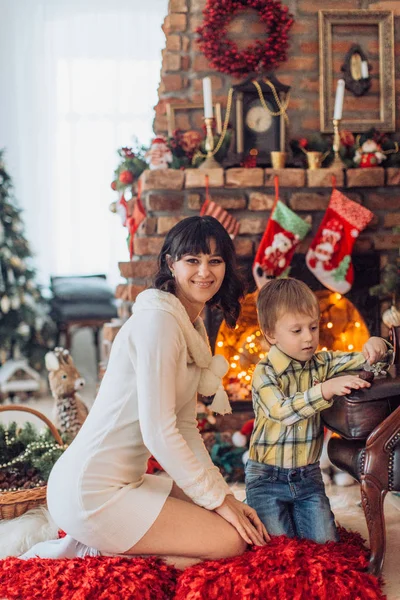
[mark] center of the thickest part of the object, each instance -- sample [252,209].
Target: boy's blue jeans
[291,502]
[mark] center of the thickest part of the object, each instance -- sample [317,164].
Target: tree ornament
[261,55]
[15,302]
[391,317]
[10,277]
[5,304]
[16,262]
[126,177]
[23,329]
[329,255]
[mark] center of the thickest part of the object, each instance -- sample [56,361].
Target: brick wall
[184,66]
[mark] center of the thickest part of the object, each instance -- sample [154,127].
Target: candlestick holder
[210,162]
[337,161]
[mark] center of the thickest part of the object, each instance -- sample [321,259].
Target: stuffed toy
[159,156]
[70,411]
[369,154]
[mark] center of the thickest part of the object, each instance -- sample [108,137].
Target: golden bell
[314,159]
[278,159]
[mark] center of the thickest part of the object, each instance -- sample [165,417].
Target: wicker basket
[15,504]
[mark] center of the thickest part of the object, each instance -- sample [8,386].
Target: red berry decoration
[126,177]
[260,56]
[114,185]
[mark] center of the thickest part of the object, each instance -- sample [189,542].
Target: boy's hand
[341,386]
[374,350]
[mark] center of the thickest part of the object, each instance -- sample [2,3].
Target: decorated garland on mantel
[260,56]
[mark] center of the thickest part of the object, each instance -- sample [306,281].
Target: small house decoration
[18,378]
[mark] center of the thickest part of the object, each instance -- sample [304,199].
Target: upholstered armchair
[368,423]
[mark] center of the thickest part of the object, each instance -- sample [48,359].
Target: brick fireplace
[248,194]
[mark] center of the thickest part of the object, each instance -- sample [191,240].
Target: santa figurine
[369,154]
[159,156]
[320,257]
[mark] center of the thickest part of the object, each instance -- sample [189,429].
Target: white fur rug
[19,534]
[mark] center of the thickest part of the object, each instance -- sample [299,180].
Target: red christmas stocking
[329,255]
[284,231]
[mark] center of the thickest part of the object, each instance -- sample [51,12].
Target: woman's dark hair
[192,236]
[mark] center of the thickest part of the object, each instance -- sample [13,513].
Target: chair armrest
[385,432]
[378,450]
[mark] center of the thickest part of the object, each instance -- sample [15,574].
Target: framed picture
[372,60]
[187,116]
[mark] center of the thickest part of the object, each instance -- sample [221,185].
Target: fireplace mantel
[248,194]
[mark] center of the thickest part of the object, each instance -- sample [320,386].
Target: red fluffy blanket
[283,570]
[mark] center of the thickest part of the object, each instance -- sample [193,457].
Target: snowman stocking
[284,231]
[329,255]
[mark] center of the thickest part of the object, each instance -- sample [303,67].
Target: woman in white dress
[98,491]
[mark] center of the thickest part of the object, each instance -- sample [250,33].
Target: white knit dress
[98,491]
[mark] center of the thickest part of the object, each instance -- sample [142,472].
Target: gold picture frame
[173,107]
[381,115]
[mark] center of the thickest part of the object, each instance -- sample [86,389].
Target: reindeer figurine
[64,379]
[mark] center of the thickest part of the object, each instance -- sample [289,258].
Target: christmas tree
[26,331]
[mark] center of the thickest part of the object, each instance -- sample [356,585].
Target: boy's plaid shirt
[287,401]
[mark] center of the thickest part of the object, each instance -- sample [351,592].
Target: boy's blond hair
[286,295]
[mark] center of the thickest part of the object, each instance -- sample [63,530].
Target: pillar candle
[364,69]
[282,125]
[338,110]
[207,98]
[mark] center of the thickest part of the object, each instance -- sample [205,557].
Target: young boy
[291,387]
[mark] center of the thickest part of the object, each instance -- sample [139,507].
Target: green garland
[25,448]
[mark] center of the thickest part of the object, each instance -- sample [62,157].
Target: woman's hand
[244,519]
[374,350]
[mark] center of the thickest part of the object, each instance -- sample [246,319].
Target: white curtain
[78,79]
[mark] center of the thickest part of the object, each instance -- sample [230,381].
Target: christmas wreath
[262,55]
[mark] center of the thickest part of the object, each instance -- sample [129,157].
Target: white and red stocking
[329,255]
[283,233]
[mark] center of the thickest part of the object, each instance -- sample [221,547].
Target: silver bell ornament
[391,317]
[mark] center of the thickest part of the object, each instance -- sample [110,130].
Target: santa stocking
[284,231]
[329,255]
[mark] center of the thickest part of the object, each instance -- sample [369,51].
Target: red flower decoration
[190,141]
[126,177]
[347,138]
[128,152]
[303,143]
[262,55]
